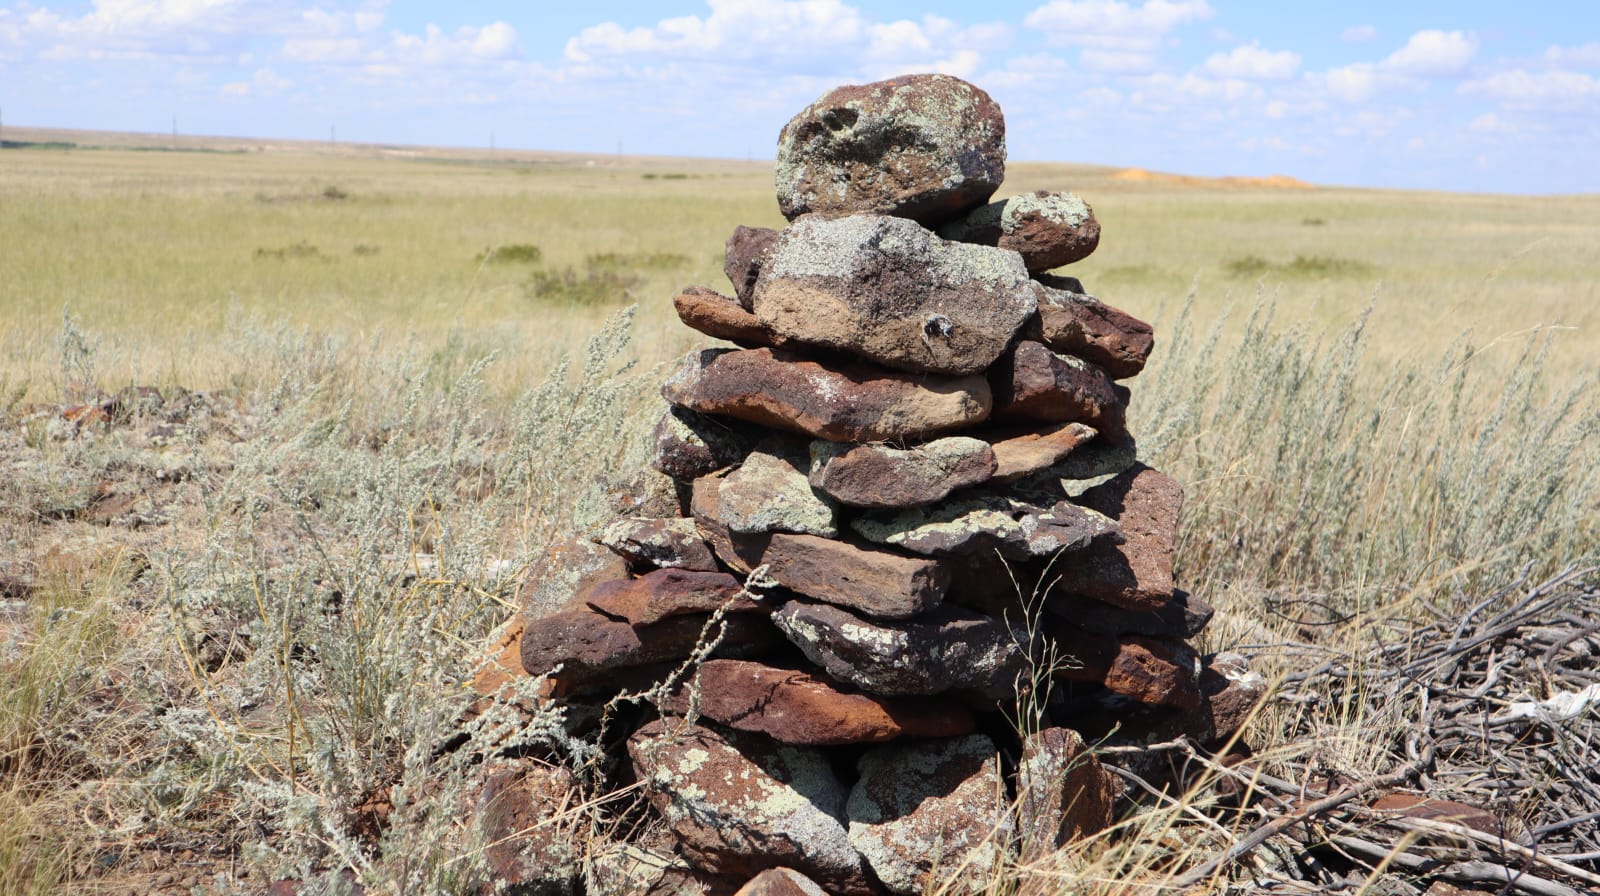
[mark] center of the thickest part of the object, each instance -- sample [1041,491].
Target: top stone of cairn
[926,147]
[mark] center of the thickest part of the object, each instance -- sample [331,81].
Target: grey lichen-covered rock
[887,290]
[834,400]
[931,812]
[944,649]
[879,476]
[566,568]
[925,147]
[1086,467]
[688,445]
[1063,792]
[1047,229]
[1077,324]
[770,492]
[746,253]
[648,543]
[967,523]
[739,804]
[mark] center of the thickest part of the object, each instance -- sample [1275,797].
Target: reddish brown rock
[1229,695]
[1023,451]
[942,650]
[688,445]
[889,291]
[838,401]
[1047,229]
[1063,792]
[796,707]
[746,253]
[1136,574]
[879,583]
[925,147]
[881,476]
[566,568]
[670,592]
[741,804]
[518,812]
[720,317]
[781,882]
[588,644]
[1155,671]
[936,805]
[647,493]
[1035,383]
[658,544]
[1076,324]
[1417,805]
[1182,616]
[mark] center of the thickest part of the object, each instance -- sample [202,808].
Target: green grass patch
[511,253]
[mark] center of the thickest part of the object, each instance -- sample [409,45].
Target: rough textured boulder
[969,523]
[1037,384]
[742,804]
[795,707]
[937,807]
[658,543]
[720,317]
[515,802]
[658,595]
[882,476]
[1047,229]
[892,292]
[925,147]
[588,644]
[1156,671]
[1076,324]
[941,650]
[1063,792]
[688,445]
[746,253]
[1136,574]
[770,492]
[1020,452]
[838,401]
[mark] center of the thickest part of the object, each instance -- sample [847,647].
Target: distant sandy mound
[1140,175]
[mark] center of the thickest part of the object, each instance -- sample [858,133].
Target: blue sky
[1475,96]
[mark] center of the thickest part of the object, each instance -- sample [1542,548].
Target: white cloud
[1586,56]
[1116,37]
[1250,62]
[1433,53]
[1521,88]
[1358,33]
[1355,83]
[1488,123]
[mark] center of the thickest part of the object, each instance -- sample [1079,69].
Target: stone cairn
[901,531]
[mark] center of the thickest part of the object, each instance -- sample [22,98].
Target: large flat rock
[925,147]
[882,476]
[664,593]
[721,317]
[986,521]
[838,401]
[588,645]
[888,290]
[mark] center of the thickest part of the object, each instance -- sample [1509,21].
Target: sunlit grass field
[416,371]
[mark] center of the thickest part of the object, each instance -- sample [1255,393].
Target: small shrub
[1248,266]
[1326,266]
[592,287]
[364,250]
[301,249]
[511,253]
[620,261]
[1312,222]
[333,193]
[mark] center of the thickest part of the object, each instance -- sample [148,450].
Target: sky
[1465,95]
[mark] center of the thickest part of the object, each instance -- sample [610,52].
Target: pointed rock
[742,804]
[944,649]
[796,707]
[781,882]
[1136,574]
[925,147]
[1023,452]
[838,401]
[720,317]
[881,476]
[658,543]
[746,253]
[969,523]
[670,592]
[1048,229]
[1063,792]
[770,492]
[1035,383]
[1076,324]
[891,292]
[923,814]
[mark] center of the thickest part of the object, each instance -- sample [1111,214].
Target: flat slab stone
[1063,792]
[838,401]
[944,649]
[879,476]
[721,317]
[887,290]
[1181,616]
[1023,451]
[1137,573]
[797,707]
[918,809]
[968,523]
[670,592]
[741,804]
[1048,229]
[770,492]
[1035,383]
[1087,467]
[687,445]
[925,147]
[876,582]
[1077,324]
[588,644]
[1154,671]
[745,254]
[649,543]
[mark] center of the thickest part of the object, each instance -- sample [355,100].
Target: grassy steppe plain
[1371,397]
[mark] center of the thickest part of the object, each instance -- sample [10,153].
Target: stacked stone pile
[903,514]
